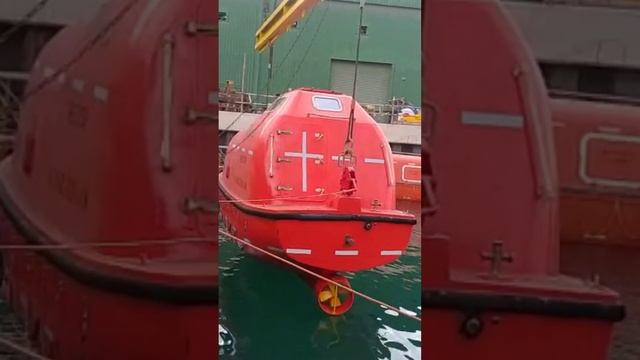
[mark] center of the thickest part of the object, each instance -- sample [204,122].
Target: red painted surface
[408,173]
[598,147]
[492,159]
[266,162]
[87,168]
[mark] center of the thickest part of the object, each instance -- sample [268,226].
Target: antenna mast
[348,144]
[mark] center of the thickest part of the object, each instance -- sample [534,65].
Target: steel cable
[312,273]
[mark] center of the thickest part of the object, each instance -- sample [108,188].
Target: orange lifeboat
[287,189]
[109,229]
[408,176]
[491,284]
[598,150]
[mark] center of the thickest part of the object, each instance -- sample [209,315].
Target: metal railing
[247,102]
[257,103]
[9,100]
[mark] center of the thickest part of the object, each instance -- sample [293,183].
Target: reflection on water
[226,341]
[618,268]
[269,312]
[400,342]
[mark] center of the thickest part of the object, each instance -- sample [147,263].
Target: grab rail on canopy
[328,116]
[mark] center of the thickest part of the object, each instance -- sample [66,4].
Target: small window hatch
[327,103]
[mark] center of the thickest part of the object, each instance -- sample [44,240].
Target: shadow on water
[270,312]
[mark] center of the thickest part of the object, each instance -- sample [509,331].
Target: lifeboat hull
[408,177]
[491,282]
[101,324]
[103,253]
[510,334]
[316,238]
[598,145]
[72,313]
[511,316]
[286,188]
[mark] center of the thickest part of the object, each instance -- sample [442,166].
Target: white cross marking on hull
[304,155]
[337,158]
[366,160]
[373,161]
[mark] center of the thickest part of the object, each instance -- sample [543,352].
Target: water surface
[269,312]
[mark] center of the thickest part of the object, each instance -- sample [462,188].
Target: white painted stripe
[609,129]
[346,252]
[144,18]
[308,156]
[373,161]
[299,251]
[337,158]
[304,161]
[303,155]
[101,93]
[247,240]
[487,119]
[390,252]
[78,85]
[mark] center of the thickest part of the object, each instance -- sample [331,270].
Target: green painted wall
[302,57]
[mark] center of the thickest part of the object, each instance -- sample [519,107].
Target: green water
[269,312]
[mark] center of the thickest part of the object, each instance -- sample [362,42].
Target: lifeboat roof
[293,149]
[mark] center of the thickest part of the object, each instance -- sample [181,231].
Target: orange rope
[286,197]
[21,349]
[301,268]
[104,244]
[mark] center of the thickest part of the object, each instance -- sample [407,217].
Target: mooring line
[76,246]
[287,197]
[301,268]
[21,349]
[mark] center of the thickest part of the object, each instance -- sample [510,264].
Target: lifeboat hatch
[301,162]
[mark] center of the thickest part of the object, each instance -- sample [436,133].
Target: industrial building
[586,46]
[310,55]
